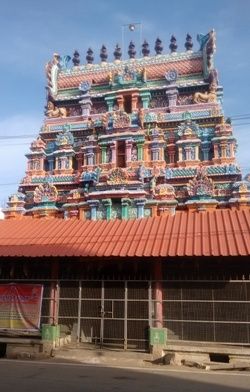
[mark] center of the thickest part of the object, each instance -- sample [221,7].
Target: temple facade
[132,138]
[124,140]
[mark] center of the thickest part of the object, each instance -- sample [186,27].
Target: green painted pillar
[108,204]
[104,154]
[140,151]
[145,97]
[125,203]
[110,102]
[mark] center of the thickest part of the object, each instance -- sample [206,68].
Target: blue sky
[32,30]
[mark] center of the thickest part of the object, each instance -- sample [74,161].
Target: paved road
[25,376]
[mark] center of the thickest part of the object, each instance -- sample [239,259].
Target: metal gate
[107,312]
[207,311]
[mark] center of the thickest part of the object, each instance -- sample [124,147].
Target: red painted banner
[20,306]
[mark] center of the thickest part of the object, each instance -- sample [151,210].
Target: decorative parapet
[55,179]
[152,117]
[213,170]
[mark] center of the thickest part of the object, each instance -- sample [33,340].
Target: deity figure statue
[152,185]
[141,172]
[109,155]
[53,111]
[141,117]
[207,96]
[134,156]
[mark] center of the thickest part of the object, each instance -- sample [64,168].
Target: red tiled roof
[154,71]
[212,233]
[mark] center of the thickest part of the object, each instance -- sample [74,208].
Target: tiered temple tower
[132,138]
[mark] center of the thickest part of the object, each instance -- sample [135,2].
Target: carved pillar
[171,153]
[216,151]
[205,146]
[104,154]
[187,153]
[41,163]
[93,208]
[172,94]
[145,97]
[89,154]
[108,204]
[196,153]
[56,163]
[129,144]
[125,203]
[155,150]
[134,102]
[110,102]
[70,162]
[161,152]
[86,105]
[145,152]
[223,150]
[113,152]
[180,154]
[232,150]
[140,203]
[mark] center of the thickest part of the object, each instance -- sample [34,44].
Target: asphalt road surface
[25,376]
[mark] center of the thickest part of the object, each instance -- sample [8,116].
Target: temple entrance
[102,312]
[112,315]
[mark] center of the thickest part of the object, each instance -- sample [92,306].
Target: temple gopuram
[133,216]
[132,138]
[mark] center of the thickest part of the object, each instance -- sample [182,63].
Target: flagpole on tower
[131,27]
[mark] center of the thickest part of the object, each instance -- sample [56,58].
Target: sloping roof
[215,233]
[156,70]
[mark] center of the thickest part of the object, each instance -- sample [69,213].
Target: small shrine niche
[188,144]
[36,158]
